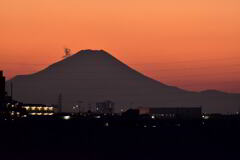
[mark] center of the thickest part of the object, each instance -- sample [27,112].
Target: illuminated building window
[45,108]
[33,108]
[39,108]
[39,114]
[51,108]
[33,114]
[50,114]
[27,107]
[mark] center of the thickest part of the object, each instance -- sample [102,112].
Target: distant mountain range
[94,75]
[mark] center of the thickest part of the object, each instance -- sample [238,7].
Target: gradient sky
[193,44]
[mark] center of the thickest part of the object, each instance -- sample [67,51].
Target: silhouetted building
[105,107]
[9,109]
[170,113]
[131,113]
[3,98]
[2,86]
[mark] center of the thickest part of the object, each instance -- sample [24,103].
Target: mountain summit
[93,76]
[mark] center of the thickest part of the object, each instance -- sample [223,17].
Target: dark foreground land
[120,139]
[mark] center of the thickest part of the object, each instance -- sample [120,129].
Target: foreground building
[11,109]
[171,113]
[39,109]
[2,86]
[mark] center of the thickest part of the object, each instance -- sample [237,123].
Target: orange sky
[193,44]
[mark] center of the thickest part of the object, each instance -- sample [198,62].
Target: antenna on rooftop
[67,52]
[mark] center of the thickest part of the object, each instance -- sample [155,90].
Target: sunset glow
[192,44]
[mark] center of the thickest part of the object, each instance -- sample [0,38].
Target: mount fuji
[93,76]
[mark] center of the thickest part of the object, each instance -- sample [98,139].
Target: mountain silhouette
[94,75]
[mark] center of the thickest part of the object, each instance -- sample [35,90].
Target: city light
[205,117]
[66,117]
[106,124]
[98,117]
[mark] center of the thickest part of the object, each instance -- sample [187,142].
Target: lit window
[45,108]
[50,114]
[33,108]
[27,107]
[50,108]
[39,108]
[39,114]
[33,114]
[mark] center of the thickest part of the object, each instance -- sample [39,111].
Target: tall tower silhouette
[2,85]
[60,102]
